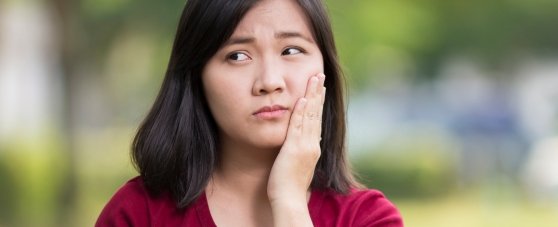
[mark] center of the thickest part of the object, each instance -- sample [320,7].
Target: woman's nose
[269,78]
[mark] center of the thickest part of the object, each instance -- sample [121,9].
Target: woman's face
[253,82]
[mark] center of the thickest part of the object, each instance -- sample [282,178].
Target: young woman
[243,132]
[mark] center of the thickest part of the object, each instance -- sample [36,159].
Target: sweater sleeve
[128,207]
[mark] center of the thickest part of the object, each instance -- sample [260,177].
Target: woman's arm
[294,166]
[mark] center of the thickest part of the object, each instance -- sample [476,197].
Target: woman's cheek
[299,71]
[300,83]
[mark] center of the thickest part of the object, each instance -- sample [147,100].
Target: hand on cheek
[294,166]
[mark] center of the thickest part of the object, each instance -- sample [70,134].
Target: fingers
[295,124]
[306,119]
[313,111]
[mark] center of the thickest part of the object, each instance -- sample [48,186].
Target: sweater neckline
[204,214]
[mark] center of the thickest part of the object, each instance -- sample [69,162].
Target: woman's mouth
[271,112]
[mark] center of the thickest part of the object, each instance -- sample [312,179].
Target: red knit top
[133,206]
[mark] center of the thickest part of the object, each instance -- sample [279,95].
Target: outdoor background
[452,112]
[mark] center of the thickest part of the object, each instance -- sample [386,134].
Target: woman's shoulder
[127,206]
[132,205]
[132,189]
[359,207]
[132,193]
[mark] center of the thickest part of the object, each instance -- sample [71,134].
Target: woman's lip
[270,109]
[270,112]
[268,115]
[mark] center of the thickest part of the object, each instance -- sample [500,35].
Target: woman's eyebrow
[278,35]
[285,35]
[240,40]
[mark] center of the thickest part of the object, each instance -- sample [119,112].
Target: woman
[243,132]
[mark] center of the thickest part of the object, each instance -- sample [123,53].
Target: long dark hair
[175,149]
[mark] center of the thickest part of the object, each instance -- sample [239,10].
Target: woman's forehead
[274,18]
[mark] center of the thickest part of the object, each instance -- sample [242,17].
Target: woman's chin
[270,142]
[272,137]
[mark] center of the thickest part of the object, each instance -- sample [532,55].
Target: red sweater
[133,206]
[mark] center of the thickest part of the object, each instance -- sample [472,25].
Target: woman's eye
[238,57]
[291,51]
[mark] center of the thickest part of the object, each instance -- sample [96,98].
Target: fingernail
[321,75]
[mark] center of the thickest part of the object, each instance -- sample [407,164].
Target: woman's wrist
[291,212]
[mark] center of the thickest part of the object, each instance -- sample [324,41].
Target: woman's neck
[243,171]
[237,192]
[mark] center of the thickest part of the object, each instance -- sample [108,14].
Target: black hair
[176,147]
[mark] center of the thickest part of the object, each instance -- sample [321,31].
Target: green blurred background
[452,112]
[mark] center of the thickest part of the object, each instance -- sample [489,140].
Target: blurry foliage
[375,38]
[30,170]
[8,192]
[409,167]
[381,35]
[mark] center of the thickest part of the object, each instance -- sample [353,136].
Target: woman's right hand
[293,169]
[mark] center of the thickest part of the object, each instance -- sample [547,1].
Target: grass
[477,208]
